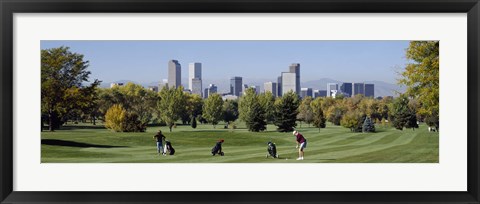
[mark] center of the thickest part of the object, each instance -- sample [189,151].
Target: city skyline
[360,57]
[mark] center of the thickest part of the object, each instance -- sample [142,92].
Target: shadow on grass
[74,144]
[73,127]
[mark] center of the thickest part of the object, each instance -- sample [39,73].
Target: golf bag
[217,149]
[272,150]
[168,148]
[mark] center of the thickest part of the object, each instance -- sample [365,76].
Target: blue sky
[146,61]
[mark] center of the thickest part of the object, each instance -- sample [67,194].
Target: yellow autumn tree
[114,118]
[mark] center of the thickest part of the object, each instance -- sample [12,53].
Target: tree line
[131,108]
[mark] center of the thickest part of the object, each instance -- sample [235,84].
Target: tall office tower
[295,68]
[289,82]
[174,73]
[196,86]
[279,86]
[271,87]
[304,92]
[346,88]
[195,72]
[236,86]
[369,90]
[358,88]
[331,87]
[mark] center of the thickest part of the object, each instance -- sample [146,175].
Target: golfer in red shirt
[301,142]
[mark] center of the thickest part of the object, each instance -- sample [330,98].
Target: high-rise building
[369,90]
[331,87]
[210,90]
[304,92]
[174,73]
[271,87]
[195,74]
[346,89]
[322,93]
[236,86]
[279,86]
[295,68]
[289,82]
[358,88]
[196,86]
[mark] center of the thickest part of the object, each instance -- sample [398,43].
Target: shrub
[114,118]
[368,125]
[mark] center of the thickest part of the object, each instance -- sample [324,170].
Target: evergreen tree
[402,115]
[194,122]
[368,125]
[286,110]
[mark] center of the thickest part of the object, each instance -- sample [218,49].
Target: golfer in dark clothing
[159,137]
[301,142]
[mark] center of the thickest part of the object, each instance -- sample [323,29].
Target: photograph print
[239,101]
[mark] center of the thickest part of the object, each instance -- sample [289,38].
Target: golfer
[301,142]
[160,138]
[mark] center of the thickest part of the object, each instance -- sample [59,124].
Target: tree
[171,105]
[368,125]
[251,111]
[286,110]
[421,76]
[194,122]
[267,100]
[318,116]
[402,114]
[114,118]
[353,120]
[212,109]
[230,111]
[305,112]
[62,75]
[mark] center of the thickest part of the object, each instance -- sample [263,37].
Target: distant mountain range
[381,88]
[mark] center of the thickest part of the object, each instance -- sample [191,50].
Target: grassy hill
[94,144]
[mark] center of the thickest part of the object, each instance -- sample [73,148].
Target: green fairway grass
[94,144]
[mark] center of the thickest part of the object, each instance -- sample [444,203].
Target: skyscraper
[236,85]
[346,88]
[174,73]
[196,86]
[358,88]
[279,86]
[195,78]
[306,92]
[289,82]
[295,68]
[271,87]
[369,90]
[210,90]
[331,87]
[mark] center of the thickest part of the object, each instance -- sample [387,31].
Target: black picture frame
[10,7]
